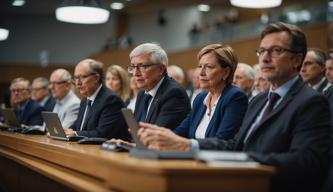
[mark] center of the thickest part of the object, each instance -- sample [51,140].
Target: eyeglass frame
[58,82]
[261,51]
[140,67]
[19,90]
[38,89]
[82,77]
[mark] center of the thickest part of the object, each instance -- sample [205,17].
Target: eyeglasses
[143,67]
[18,90]
[38,89]
[275,51]
[57,82]
[82,77]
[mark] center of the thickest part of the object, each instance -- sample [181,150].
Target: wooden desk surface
[88,168]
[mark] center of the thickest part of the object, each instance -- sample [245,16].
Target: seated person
[67,103]
[28,111]
[218,111]
[117,80]
[99,113]
[40,92]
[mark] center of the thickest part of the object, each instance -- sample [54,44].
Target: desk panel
[88,168]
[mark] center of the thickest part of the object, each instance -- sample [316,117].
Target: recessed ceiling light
[203,7]
[18,3]
[256,3]
[117,6]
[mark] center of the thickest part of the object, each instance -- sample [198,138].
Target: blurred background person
[67,103]
[134,93]
[40,92]
[260,83]
[195,85]
[329,69]
[117,80]
[177,73]
[244,79]
[313,70]
[28,111]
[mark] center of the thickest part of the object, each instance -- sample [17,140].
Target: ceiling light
[4,32]
[256,3]
[203,7]
[18,3]
[330,3]
[82,12]
[117,6]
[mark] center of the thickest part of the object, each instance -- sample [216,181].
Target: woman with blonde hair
[118,81]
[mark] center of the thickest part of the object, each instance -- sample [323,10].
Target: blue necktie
[144,113]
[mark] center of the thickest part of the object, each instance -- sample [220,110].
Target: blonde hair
[124,80]
[225,55]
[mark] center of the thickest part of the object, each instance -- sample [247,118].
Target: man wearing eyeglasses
[162,100]
[67,103]
[40,93]
[99,113]
[288,127]
[28,111]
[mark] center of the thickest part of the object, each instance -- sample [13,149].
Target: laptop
[55,128]
[141,150]
[11,120]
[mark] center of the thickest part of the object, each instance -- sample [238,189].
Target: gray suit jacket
[68,109]
[295,138]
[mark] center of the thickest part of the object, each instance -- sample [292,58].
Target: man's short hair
[320,55]
[250,73]
[27,84]
[156,52]
[298,39]
[96,67]
[43,80]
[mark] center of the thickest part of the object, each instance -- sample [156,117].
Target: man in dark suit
[313,73]
[40,93]
[295,136]
[162,100]
[99,113]
[27,110]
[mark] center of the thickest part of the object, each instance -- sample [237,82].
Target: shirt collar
[93,96]
[66,98]
[316,86]
[153,91]
[283,89]
[206,100]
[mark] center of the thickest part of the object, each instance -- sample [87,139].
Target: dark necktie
[146,100]
[272,100]
[274,97]
[85,116]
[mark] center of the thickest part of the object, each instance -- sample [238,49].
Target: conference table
[38,163]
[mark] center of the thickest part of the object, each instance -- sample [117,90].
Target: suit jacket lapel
[156,100]
[252,113]
[286,100]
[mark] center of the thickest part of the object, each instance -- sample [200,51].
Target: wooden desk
[88,168]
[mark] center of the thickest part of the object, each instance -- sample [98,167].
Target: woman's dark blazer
[226,120]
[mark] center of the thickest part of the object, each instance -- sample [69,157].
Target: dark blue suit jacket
[295,138]
[227,118]
[32,113]
[169,107]
[104,119]
[49,104]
